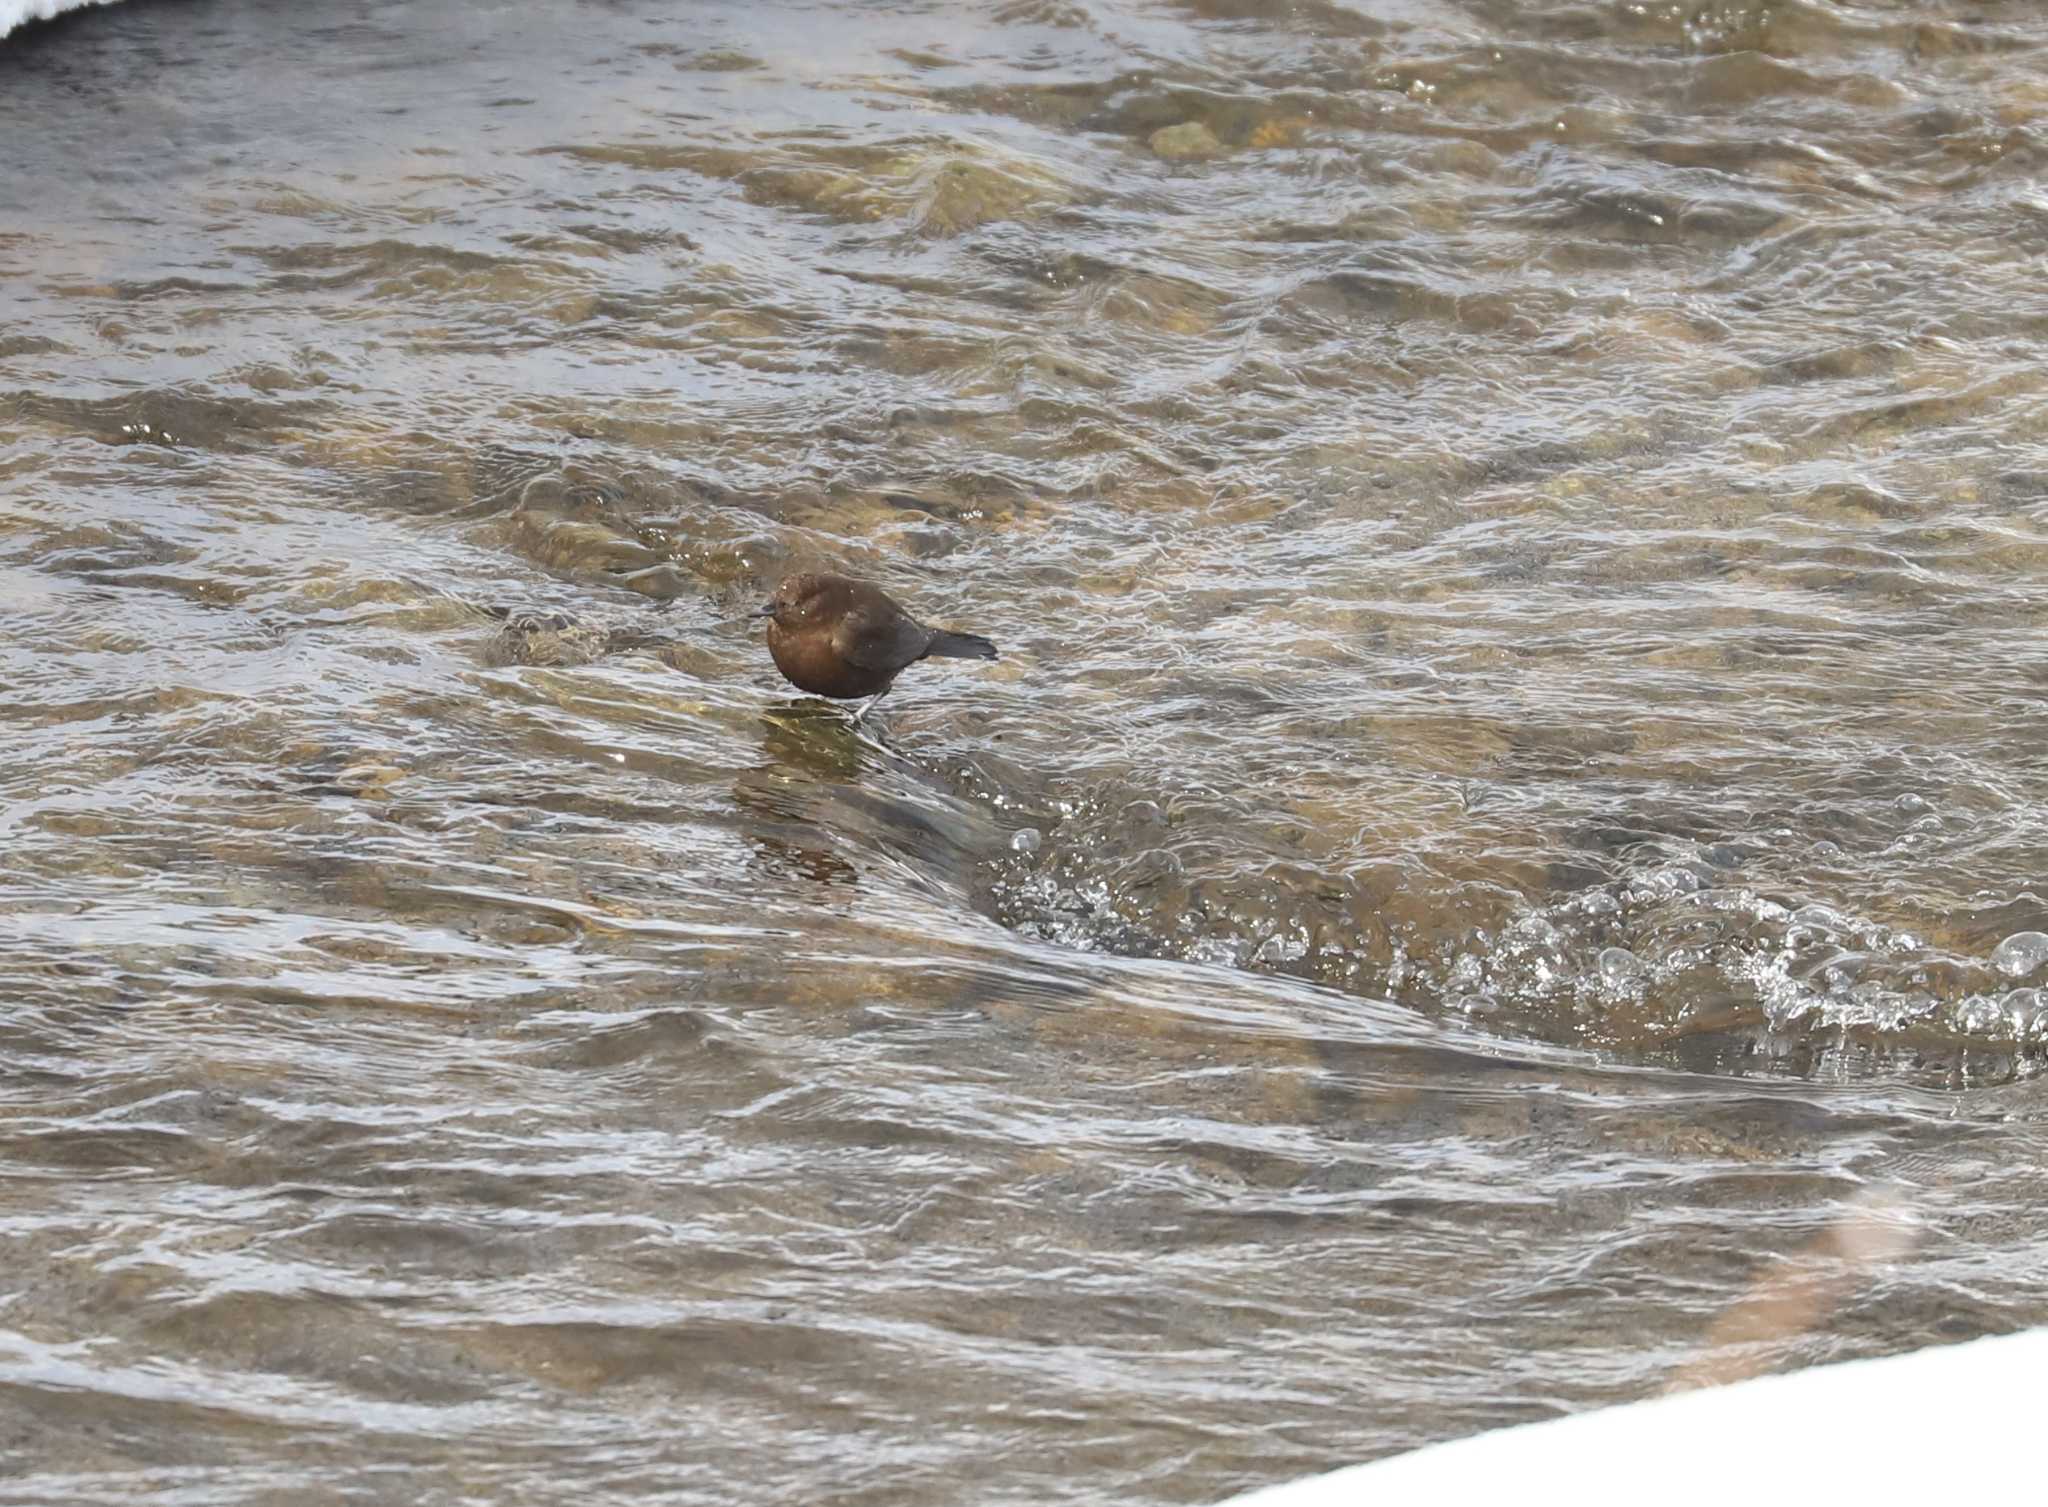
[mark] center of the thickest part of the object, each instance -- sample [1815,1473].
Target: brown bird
[838,637]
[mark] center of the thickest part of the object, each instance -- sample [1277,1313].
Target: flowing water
[1511,808]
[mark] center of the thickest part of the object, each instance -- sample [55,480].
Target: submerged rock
[559,640]
[1191,141]
[940,188]
[545,639]
[1283,131]
[962,192]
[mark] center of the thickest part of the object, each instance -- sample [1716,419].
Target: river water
[1509,818]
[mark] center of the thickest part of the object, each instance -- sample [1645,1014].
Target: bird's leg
[861,713]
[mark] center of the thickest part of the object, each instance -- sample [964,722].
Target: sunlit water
[1513,795]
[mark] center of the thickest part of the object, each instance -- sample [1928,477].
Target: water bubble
[1532,931]
[1619,968]
[2023,1009]
[1220,950]
[2020,954]
[1154,866]
[1281,949]
[1820,920]
[1912,805]
[1979,1015]
[1668,883]
[1026,840]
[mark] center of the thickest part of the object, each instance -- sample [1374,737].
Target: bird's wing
[880,637]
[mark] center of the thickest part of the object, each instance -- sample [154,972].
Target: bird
[834,636]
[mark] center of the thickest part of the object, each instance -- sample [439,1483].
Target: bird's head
[798,600]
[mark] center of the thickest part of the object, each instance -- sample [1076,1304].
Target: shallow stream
[1511,812]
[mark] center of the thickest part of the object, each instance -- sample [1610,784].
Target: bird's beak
[762,612]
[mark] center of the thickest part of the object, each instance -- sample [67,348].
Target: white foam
[15,13]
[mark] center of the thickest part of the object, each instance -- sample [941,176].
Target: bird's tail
[960,646]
